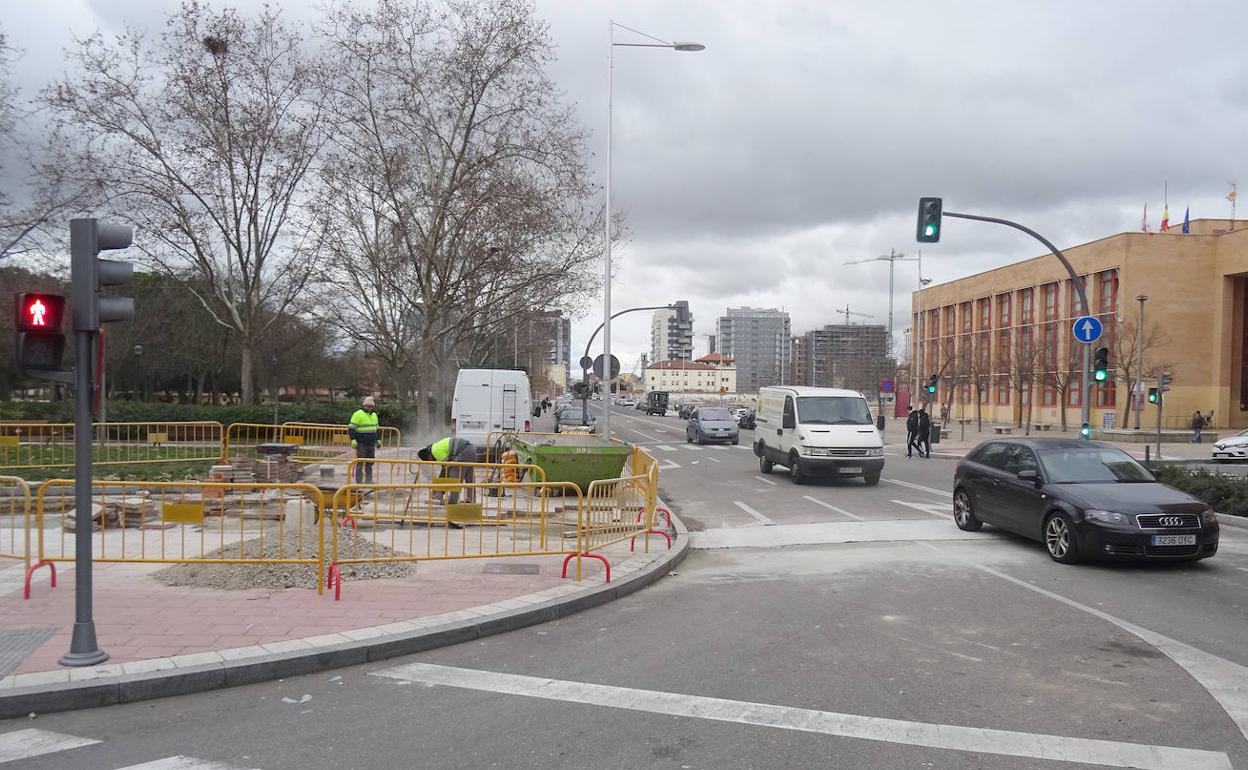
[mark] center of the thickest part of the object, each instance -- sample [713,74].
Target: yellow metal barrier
[15,520]
[327,442]
[400,471]
[51,445]
[187,522]
[451,519]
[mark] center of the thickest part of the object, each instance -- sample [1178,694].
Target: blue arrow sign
[1087,329]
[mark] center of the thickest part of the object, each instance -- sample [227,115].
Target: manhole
[17,643]
[511,569]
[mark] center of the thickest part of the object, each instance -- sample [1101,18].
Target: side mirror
[1029,476]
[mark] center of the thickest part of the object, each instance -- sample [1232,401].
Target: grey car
[711,423]
[572,415]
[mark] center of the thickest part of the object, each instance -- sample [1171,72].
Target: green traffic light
[931,388]
[1086,431]
[1101,375]
[929,230]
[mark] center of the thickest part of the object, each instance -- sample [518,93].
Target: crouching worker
[454,450]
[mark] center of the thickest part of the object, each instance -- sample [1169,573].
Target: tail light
[453,421]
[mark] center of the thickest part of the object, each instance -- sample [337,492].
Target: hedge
[154,411]
[1226,494]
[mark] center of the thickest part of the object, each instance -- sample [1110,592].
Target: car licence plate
[850,469]
[1174,540]
[474,425]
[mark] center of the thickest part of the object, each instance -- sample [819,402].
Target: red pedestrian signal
[40,312]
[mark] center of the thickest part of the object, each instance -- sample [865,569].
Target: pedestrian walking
[1197,425]
[912,429]
[363,432]
[923,439]
[452,450]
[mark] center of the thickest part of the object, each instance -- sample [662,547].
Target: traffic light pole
[1086,400]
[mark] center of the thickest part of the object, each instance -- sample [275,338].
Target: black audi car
[1082,499]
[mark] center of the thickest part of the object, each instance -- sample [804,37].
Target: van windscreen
[833,410]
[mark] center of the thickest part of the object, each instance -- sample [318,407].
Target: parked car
[640,405]
[686,411]
[1082,500]
[1231,448]
[711,423]
[573,415]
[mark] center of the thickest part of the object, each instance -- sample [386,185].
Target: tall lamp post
[1139,364]
[606,268]
[892,258]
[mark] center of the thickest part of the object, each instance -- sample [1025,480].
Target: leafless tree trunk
[205,139]
[1125,356]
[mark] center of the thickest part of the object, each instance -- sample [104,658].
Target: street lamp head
[1142,298]
[687,46]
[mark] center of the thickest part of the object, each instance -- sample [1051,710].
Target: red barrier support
[599,557]
[30,572]
[334,580]
[666,514]
[632,545]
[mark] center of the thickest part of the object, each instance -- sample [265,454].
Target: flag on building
[1144,222]
[1165,219]
[1187,222]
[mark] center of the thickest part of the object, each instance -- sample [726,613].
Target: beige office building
[1004,337]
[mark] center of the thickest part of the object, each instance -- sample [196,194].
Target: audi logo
[1170,521]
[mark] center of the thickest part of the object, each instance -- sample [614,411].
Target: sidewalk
[963,439]
[164,640]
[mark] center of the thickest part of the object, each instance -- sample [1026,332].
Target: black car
[747,421]
[1082,499]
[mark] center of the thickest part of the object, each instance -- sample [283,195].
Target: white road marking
[830,533]
[712,459]
[746,448]
[921,488]
[765,480]
[650,436]
[831,507]
[180,763]
[935,510]
[666,448]
[752,512]
[693,448]
[32,742]
[669,465]
[979,740]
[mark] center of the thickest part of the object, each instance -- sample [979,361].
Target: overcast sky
[804,134]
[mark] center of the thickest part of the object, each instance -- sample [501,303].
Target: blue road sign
[1087,329]
[886,386]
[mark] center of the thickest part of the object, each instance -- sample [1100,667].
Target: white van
[490,401]
[814,431]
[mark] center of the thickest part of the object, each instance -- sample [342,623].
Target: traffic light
[1163,382]
[87,238]
[40,341]
[1100,365]
[928,230]
[931,383]
[580,389]
[1153,396]
[1086,431]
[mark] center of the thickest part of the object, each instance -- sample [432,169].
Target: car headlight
[1107,517]
[876,452]
[1208,516]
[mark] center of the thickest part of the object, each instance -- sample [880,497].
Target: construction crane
[847,313]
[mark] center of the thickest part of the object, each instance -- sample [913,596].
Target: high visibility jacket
[363,427]
[448,447]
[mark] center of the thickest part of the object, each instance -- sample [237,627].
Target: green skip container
[576,457]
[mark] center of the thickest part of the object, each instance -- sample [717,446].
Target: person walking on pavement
[1197,425]
[912,430]
[923,440]
[455,450]
[363,432]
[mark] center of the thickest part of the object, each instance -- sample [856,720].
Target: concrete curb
[112,686]
[1235,522]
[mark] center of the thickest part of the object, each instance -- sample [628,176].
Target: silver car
[711,423]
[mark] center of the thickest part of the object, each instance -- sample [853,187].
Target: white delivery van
[490,401]
[817,431]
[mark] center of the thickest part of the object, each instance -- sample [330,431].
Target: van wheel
[764,464]
[795,470]
[872,479]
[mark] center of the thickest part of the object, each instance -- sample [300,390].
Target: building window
[1003,311]
[968,318]
[1050,301]
[1027,305]
[1074,393]
[985,314]
[1106,395]
[1049,396]
[1003,392]
[1024,394]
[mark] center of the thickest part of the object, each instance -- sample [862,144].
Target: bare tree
[205,139]
[1024,365]
[976,362]
[1125,356]
[458,174]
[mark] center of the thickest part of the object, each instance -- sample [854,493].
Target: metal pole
[83,649]
[918,339]
[1139,371]
[892,265]
[1161,399]
[606,269]
[1086,401]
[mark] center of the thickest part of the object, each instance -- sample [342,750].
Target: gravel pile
[242,577]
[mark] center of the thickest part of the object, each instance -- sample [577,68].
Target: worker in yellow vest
[455,450]
[363,432]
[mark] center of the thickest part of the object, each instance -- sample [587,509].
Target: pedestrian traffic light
[1153,396]
[1100,365]
[40,342]
[1086,431]
[931,383]
[87,238]
[929,220]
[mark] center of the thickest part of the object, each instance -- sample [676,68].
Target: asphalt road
[914,646]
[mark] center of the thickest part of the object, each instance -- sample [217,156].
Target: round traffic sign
[586,362]
[886,385]
[1086,329]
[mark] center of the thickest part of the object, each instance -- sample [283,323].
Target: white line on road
[666,448]
[693,448]
[650,436]
[32,742]
[935,510]
[180,763]
[921,488]
[752,512]
[980,740]
[669,465]
[746,448]
[765,480]
[831,507]
[712,459]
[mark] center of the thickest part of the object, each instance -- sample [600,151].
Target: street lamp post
[606,268]
[1139,364]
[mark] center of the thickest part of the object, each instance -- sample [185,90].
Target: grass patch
[1225,494]
[164,471]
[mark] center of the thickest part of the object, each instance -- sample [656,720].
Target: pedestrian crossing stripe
[666,448]
[180,763]
[32,742]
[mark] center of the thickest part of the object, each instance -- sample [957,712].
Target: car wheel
[872,479]
[964,512]
[736,440]
[764,464]
[1060,540]
[795,470]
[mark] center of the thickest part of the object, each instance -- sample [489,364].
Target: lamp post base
[83,650]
